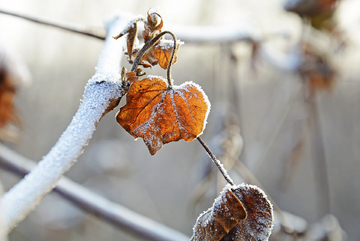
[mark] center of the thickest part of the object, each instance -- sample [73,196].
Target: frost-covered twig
[102,93]
[94,203]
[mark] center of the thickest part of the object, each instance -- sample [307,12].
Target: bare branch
[198,35]
[102,94]
[94,203]
[216,34]
[75,28]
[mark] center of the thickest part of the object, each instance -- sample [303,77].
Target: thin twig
[91,202]
[320,163]
[277,129]
[60,25]
[147,46]
[216,162]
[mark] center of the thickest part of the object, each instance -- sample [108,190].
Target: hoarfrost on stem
[102,92]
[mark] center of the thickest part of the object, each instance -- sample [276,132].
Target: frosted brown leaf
[161,114]
[159,55]
[241,213]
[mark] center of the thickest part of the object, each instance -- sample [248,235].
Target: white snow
[102,88]
[169,43]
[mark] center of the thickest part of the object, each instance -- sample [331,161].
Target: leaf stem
[171,59]
[217,162]
[148,46]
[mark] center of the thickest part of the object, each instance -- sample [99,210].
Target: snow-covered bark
[102,93]
[84,198]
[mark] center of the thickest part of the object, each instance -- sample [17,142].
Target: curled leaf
[317,70]
[320,13]
[310,8]
[161,114]
[161,54]
[241,213]
[131,39]
[131,77]
[7,94]
[131,32]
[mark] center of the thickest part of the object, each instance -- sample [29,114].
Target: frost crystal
[169,44]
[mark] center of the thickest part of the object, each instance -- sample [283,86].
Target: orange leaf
[131,77]
[131,31]
[241,213]
[159,54]
[7,94]
[160,114]
[163,55]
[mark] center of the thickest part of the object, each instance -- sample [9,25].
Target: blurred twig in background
[93,203]
[75,28]
[3,234]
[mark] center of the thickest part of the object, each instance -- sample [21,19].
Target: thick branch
[102,93]
[94,203]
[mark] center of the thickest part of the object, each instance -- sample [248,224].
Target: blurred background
[286,103]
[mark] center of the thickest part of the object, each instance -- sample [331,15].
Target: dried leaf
[152,26]
[13,74]
[131,77]
[160,114]
[317,70]
[311,8]
[159,54]
[319,12]
[131,32]
[153,21]
[131,39]
[7,94]
[241,213]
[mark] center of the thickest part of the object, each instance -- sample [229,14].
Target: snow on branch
[212,34]
[102,93]
[94,203]
[215,33]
